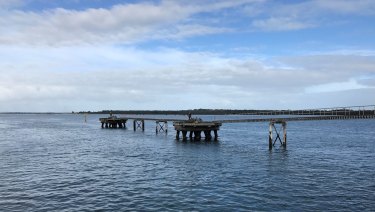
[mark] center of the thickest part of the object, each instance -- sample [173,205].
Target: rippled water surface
[58,162]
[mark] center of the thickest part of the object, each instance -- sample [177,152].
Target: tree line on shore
[177,112]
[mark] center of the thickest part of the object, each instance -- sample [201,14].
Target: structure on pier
[138,123]
[273,128]
[195,128]
[113,122]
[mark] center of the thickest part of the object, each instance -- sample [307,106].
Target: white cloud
[7,4]
[46,65]
[280,24]
[83,78]
[336,86]
[358,7]
[124,23]
[306,14]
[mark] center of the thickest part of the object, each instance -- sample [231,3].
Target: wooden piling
[184,132]
[270,140]
[161,126]
[177,134]
[272,128]
[284,133]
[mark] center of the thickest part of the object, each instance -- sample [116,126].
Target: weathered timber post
[216,136]
[197,135]
[161,127]
[207,134]
[191,135]
[184,132]
[139,124]
[102,124]
[270,136]
[177,134]
[284,133]
[272,127]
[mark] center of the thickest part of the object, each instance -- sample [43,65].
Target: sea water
[59,162]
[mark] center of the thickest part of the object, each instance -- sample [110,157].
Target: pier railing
[331,111]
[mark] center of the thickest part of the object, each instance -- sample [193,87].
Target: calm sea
[60,163]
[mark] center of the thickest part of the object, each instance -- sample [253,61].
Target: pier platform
[195,129]
[113,122]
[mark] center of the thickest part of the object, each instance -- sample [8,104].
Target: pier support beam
[284,133]
[272,128]
[197,135]
[161,126]
[207,135]
[184,132]
[139,124]
[177,134]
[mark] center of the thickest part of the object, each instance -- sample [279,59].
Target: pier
[194,128]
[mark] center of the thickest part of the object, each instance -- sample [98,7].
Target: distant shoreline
[157,112]
[195,112]
[21,113]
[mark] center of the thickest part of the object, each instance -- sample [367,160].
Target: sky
[92,55]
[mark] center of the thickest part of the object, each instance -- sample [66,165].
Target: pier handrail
[346,110]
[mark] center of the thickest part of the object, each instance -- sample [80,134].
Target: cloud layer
[124,23]
[166,78]
[133,56]
[137,22]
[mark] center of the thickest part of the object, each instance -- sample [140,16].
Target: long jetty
[196,126]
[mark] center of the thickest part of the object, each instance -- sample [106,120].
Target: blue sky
[78,55]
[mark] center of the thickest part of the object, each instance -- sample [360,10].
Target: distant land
[197,112]
[159,112]
[211,111]
[179,112]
